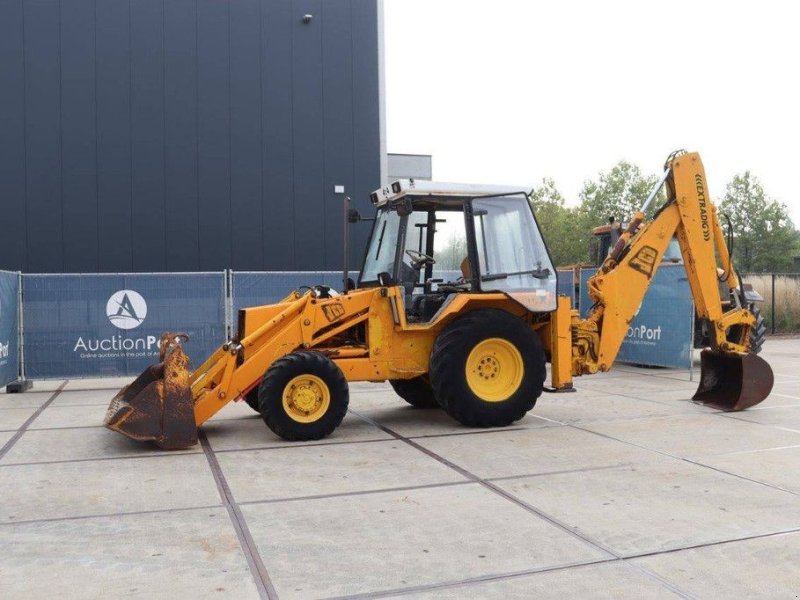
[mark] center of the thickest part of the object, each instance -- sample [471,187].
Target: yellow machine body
[392,348]
[366,333]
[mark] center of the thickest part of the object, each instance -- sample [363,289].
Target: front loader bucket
[158,405]
[733,381]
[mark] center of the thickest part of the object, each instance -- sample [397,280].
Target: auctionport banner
[660,334]
[109,325]
[9,328]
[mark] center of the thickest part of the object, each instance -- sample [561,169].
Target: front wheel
[251,398]
[303,396]
[487,368]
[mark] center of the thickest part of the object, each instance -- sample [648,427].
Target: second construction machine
[473,340]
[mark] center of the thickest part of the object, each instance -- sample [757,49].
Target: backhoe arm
[619,286]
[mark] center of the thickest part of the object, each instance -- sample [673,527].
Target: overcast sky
[510,91]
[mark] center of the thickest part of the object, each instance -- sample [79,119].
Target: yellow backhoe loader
[456,306]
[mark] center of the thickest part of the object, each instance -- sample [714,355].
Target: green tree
[558,224]
[619,192]
[764,238]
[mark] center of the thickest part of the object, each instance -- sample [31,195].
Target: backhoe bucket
[158,405]
[733,381]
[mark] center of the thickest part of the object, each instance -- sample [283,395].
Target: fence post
[773,304]
[22,384]
[20,330]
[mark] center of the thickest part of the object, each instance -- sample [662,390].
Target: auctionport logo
[642,334]
[126,309]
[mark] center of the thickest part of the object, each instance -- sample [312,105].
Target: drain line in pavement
[248,545]
[10,443]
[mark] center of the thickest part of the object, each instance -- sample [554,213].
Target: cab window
[511,253]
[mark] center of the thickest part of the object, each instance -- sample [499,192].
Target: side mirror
[353,216]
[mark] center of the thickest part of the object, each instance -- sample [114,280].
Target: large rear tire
[417,391]
[303,396]
[487,368]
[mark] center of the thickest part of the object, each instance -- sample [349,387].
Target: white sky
[509,91]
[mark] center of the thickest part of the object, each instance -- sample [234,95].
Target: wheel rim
[306,398]
[494,369]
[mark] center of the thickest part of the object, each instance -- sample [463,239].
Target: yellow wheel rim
[494,369]
[306,398]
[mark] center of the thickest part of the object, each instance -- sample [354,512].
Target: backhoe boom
[619,286]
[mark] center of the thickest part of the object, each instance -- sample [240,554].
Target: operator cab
[439,239]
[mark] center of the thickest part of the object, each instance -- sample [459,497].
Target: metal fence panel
[254,288]
[661,332]
[585,302]
[781,293]
[566,284]
[9,327]
[109,325]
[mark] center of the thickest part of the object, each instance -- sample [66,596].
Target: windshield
[382,248]
[512,256]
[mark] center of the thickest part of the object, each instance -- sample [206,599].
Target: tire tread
[447,368]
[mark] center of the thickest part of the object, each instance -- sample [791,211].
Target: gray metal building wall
[171,135]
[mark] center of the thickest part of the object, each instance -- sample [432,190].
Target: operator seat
[466,270]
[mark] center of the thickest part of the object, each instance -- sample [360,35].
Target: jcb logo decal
[333,311]
[644,261]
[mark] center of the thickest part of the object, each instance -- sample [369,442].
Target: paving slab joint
[24,427]
[257,569]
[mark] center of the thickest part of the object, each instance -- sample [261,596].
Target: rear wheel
[487,369]
[417,391]
[303,396]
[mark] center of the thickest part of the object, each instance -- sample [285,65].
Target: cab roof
[412,187]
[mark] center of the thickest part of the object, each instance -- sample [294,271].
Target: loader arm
[618,288]
[237,367]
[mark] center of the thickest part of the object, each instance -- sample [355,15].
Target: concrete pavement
[624,489]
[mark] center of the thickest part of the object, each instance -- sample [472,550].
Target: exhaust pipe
[158,405]
[733,382]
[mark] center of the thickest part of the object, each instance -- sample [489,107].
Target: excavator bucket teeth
[158,405]
[733,381]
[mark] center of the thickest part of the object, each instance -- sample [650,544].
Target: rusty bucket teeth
[733,381]
[158,405]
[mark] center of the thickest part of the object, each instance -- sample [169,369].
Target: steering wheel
[419,259]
